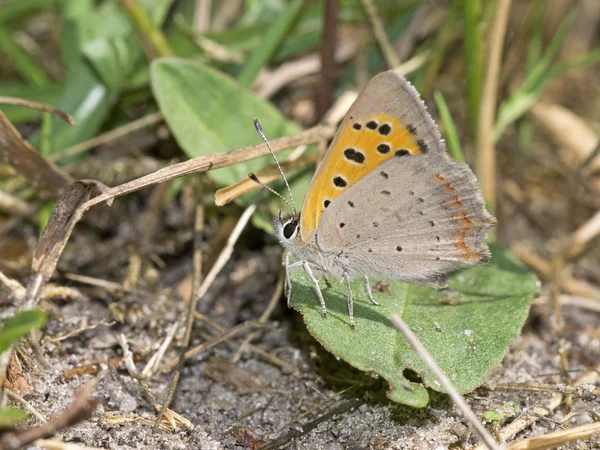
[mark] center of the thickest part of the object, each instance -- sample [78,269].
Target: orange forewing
[359,149]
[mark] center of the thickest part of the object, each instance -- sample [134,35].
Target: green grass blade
[25,65]
[449,127]
[273,37]
[537,73]
[473,60]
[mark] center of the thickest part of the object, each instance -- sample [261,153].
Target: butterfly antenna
[262,135]
[270,189]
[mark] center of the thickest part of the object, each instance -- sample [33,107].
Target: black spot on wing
[385,129]
[422,146]
[383,148]
[371,125]
[354,155]
[401,152]
[340,182]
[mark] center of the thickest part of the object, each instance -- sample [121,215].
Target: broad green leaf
[19,326]
[467,328]
[208,112]
[10,417]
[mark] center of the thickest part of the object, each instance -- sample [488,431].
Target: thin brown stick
[267,175]
[391,58]
[288,72]
[28,406]
[457,399]
[324,92]
[547,387]
[81,409]
[304,429]
[202,16]
[486,159]
[534,414]
[192,304]
[264,317]
[558,438]
[277,362]
[39,106]
[109,136]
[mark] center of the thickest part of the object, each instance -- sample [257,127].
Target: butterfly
[386,200]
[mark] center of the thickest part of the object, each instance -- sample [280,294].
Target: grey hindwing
[412,218]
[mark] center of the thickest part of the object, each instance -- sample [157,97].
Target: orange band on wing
[362,146]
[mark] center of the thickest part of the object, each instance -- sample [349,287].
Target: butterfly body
[387,201]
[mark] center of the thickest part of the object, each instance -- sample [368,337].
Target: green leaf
[492,416]
[466,328]
[10,417]
[19,326]
[208,112]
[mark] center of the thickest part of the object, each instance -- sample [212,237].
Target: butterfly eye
[289,229]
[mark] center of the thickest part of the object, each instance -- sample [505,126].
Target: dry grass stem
[263,318]
[457,399]
[81,409]
[266,176]
[39,106]
[13,205]
[26,405]
[78,331]
[544,270]
[568,130]
[109,136]
[154,362]
[558,438]
[391,58]
[277,362]
[127,356]
[486,158]
[270,83]
[18,153]
[195,295]
[538,412]
[202,16]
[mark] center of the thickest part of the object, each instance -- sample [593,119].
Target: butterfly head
[286,228]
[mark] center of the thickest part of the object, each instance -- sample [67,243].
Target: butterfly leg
[370,292]
[287,285]
[316,285]
[350,302]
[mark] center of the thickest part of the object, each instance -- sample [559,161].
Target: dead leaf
[224,371]
[18,153]
[57,230]
[568,130]
[246,437]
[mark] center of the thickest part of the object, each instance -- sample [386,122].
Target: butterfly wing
[413,218]
[388,118]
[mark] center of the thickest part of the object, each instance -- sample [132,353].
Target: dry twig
[486,159]
[81,409]
[457,399]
